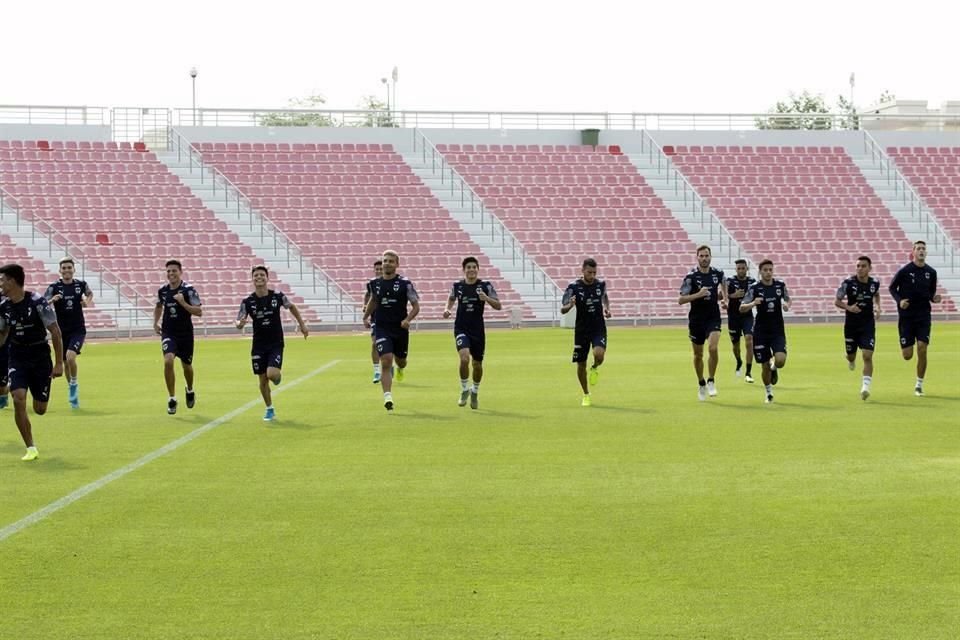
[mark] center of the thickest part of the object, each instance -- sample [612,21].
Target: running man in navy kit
[913,289]
[388,307]
[704,290]
[266,352]
[770,298]
[859,296]
[177,303]
[69,297]
[589,295]
[471,295]
[25,319]
[740,324]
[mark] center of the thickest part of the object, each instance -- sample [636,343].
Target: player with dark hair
[69,296]
[177,303]
[389,297]
[374,356]
[25,319]
[913,289]
[770,298]
[704,290]
[740,324]
[266,351]
[859,296]
[588,294]
[471,295]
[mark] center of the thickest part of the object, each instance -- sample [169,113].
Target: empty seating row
[292,146]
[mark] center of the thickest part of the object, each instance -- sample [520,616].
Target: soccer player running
[704,290]
[913,289]
[266,352]
[859,296]
[25,319]
[771,299]
[374,356]
[471,295]
[177,303]
[589,295]
[387,307]
[69,296]
[740,324]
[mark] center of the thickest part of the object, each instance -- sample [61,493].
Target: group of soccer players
[391,304]
[706,290]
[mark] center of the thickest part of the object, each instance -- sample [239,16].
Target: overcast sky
[597,55]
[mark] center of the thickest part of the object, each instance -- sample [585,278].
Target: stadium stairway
[696,218]
[37,250]
[538,292]
[889,187]
[320,293]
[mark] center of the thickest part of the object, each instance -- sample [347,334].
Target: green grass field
[648,515]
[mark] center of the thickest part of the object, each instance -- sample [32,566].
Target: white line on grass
[85,490]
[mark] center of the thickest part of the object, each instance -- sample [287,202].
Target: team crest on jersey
[396,286]
[273,303]
[778,292]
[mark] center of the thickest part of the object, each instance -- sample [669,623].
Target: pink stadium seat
[935,173]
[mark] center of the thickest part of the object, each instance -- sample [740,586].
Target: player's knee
[39,408]
[168,359]
[464,357]
[780,359]
[598,358]
[907,353]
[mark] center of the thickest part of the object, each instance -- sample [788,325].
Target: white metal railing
[719,236]
[282,245]
[530,271]
[42,114]
[149,123]
[210,117]
[909,197]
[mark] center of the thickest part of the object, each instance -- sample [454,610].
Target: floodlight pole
[193,81]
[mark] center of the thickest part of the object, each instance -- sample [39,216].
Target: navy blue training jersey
[852,291]
[392,297]
[735,284]
[27,322]
[590,302]
[916,284]
[696,280]
[770,313]
[470,307]
[265,314]
[176,319]
[69,308]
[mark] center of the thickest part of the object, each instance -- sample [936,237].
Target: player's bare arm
[56,339]
[300,323]
[448,310]
[414,311]
[157,312]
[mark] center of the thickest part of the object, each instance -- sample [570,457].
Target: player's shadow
[55,464]
[503,414]
[413,414]
[616,409]
[294,424]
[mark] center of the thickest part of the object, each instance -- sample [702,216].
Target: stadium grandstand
[530,195]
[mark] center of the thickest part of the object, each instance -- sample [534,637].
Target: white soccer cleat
[712,388]
[702,393]
[864,393]
[918,391]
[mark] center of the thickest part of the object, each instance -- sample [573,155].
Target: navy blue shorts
[859,337]
[476,344]
[395,341]
[701,328]
[261,358]
[179,346]
[73,341]
[914,330]
[33,373]
[739,324]
[765,345]
[585,341]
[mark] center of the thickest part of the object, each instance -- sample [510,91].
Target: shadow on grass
[616,409]
[413,414]
[54,464]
